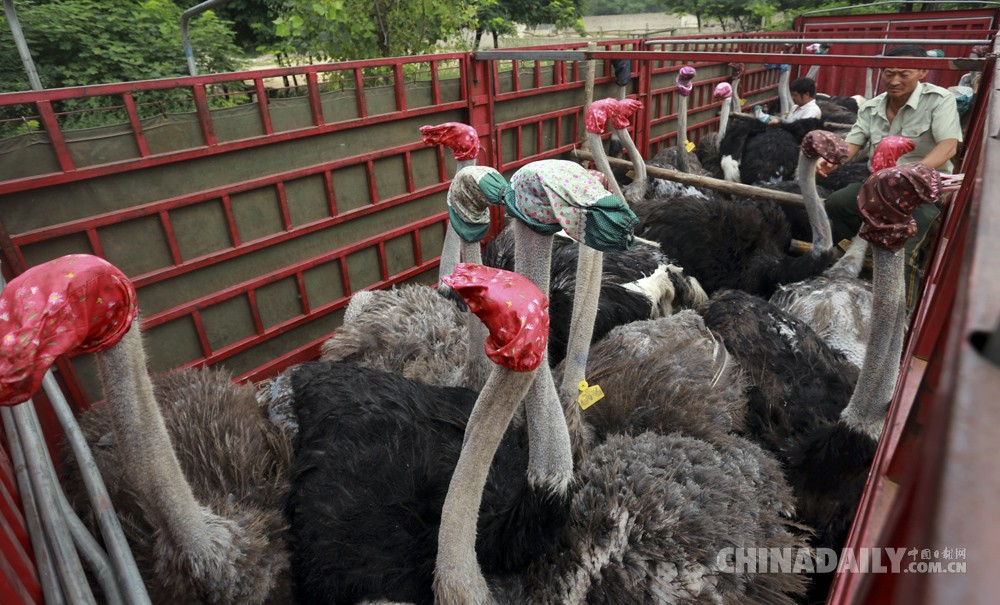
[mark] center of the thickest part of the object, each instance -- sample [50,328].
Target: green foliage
[79,42]
[499,17]
[623,7]
[252,20]
[366,29]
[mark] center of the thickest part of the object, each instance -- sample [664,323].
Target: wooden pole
[781,197]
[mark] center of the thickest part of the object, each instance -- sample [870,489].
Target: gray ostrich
[837,304]
[194,470]
[413,330]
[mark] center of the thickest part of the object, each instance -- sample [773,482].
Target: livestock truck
[248,207]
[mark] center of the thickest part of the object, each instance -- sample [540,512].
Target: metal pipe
[133,589]
[838,9]
[47,577]
[22,45]
[67,562]
[85,543]
[185,18]
[952,63]
[920,41]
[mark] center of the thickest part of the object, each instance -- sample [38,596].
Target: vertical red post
[479,83]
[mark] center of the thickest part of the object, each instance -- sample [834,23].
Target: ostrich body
[744,244]
[194,469]
[756,153]
[837,304]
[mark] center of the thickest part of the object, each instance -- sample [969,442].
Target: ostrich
[368,436]
[707,149]
[838,303]
[678,156]
[196,473]
[744,245]
[819,49]
[822,426]
[464,143]
[647,520]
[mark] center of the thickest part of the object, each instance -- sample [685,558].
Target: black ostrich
[707,150]
[376,451]
[744,244]
[641,283]
[756,153]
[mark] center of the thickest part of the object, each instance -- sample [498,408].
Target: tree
[364,29]
[499,17]
[79,42]
[252,20]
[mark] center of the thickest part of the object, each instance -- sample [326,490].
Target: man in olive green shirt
[922,112]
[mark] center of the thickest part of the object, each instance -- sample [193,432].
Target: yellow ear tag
[630,174]
[742,102]
[844,244]
[589,395]
[689,146]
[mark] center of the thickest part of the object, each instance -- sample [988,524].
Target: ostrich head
[595,121]
[886,201]
[42,316]
[815,145]
[462,138]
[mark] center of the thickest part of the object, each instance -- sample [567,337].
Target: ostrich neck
[813,70]
[585,304]
[144,443]
[450,255]
[819,222]
[550,458]
[724,119]
[597,149]
[784,93]
[477,367]
[457,575]
[868,406]
[736,96]
[460,164]
[637,189]
[682,135]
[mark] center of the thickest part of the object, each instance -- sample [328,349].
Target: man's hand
[824,168]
